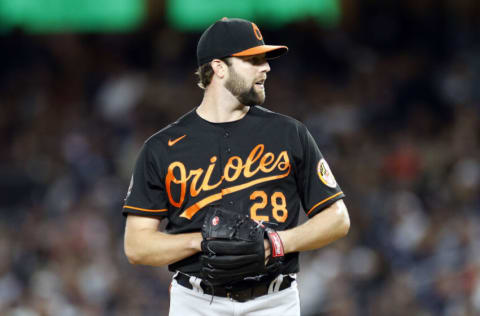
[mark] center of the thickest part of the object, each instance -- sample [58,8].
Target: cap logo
[256,31]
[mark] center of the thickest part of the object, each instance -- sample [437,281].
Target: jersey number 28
[277,201]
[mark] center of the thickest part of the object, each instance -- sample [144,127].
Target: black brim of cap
[271,51]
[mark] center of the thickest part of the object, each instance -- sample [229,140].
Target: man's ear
[219,67]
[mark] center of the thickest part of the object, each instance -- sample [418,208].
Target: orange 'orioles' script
[200,180]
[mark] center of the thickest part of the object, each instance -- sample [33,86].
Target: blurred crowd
[391,96]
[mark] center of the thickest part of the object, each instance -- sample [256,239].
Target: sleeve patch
[325,174]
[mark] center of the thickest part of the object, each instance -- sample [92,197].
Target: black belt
[239,295]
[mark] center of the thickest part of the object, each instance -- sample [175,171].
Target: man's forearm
[322,229]
[155,248]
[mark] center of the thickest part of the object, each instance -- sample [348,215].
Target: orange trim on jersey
[144,209]
[192,210]
[323,201]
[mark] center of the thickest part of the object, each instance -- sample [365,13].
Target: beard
[238,86]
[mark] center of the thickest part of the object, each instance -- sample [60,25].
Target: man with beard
[232,154]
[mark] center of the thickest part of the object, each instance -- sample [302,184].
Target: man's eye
[255,60]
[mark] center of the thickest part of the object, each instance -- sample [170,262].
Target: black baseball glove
[233,248]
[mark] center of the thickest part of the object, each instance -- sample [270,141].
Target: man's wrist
[196,242]
[283,234]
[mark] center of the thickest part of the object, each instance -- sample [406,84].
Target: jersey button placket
[226,154]
[226,134]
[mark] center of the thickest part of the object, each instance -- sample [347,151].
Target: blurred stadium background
[389,89]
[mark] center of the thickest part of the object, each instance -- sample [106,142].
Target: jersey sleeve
[318,188]
[146,193]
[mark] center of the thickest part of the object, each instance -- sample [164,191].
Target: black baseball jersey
[266,165]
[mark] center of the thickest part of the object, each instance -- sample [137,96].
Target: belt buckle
[240,296]
[233,296]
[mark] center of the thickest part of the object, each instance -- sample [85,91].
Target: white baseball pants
[193,302]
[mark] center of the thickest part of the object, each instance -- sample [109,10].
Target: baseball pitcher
[230,178]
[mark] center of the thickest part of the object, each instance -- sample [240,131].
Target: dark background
[391,95]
